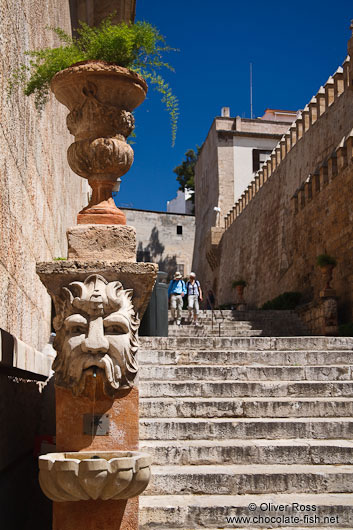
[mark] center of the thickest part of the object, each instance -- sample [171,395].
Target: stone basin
[94,475]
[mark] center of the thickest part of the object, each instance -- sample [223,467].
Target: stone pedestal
[98,306]
[330,312]
[123,434]
[96,515]
[115,243]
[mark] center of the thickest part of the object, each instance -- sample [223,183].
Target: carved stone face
[96,329]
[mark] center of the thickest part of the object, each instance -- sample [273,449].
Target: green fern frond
[139,47]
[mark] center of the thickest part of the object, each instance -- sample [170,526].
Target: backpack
[197,283]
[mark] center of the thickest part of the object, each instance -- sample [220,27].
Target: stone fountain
[99,294]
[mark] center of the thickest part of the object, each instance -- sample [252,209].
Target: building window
[259,157]
[179,230]
[180,268]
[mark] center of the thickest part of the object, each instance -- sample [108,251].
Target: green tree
[186,171]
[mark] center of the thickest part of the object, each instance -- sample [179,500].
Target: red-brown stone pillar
[123,435]
[98,307]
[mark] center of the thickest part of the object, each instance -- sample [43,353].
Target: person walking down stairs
[176,293]
[194,292]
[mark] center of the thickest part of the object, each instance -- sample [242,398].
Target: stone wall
[158,240]
[40,196]
[319,316]
[92,11]
[297,207]
[39,199]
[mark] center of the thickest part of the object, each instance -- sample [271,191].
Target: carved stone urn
[100,97]
[326,271]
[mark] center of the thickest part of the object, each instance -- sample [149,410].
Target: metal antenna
[251,112]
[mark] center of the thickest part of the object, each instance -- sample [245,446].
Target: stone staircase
[250,427]
[241,324]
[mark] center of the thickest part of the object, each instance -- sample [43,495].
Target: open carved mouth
[102,366]
[94,370]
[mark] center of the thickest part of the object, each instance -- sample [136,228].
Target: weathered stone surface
[16,354]
[320,316]
[257,479]
[207,512]
[93,14]
[235,389]
[100,97]
[70,436]
[245,357]
[248,343]
[137,276]
[213,407]
[109,242]
[158,240]
[247,373]
[81,476]
[245,428]
[240,451]
[219,442]
[40,195]
[96,330]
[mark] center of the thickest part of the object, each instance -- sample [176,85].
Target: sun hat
[192,274]
[177,275]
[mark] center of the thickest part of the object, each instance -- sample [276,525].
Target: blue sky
[294,48]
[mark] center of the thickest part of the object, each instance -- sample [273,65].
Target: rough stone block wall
[40,196]
[273,248]
[320,316]
[157,238]
[94,12]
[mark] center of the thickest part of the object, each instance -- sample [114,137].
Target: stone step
[244,479]
[250,314]
[209,452]
[247,343]
[206,324]
[259,320]
[246,407]
[254,389]
[206,512]
[201,332]
[246,373]
[245,428]
[245,357]
[239,316]
[264,328]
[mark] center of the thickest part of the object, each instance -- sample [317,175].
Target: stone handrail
[313,111]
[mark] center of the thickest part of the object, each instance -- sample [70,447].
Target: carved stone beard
[96,329]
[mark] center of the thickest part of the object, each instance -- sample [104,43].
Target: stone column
[98,303]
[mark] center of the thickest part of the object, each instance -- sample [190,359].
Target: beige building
[233,151]
[164,238]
